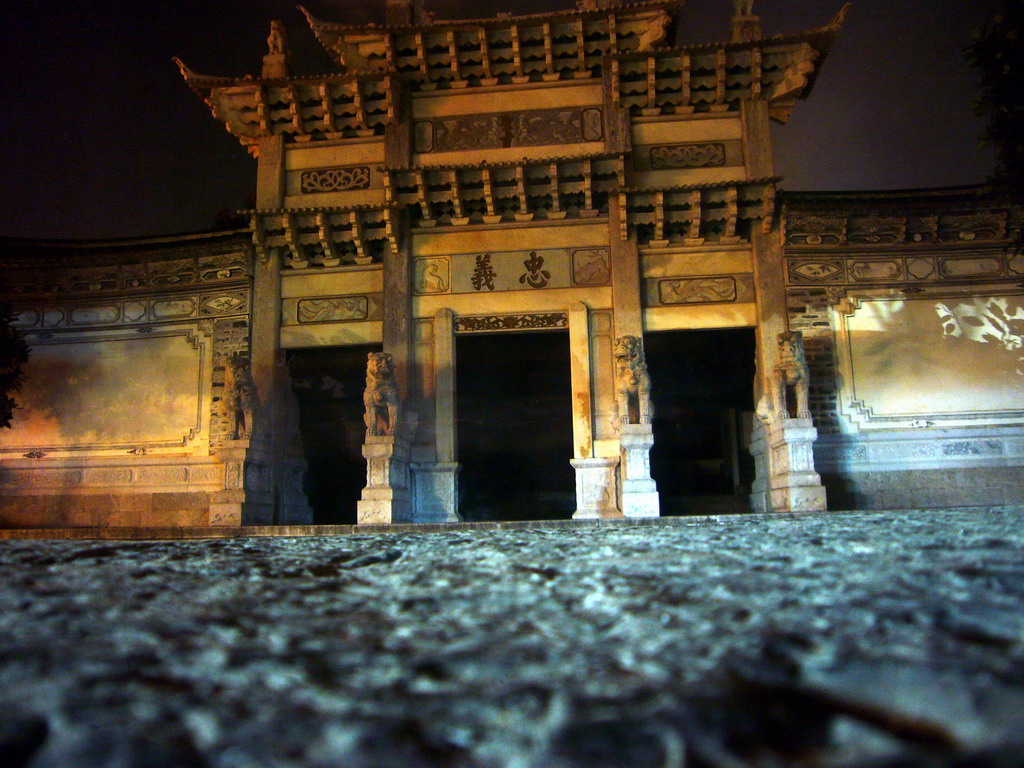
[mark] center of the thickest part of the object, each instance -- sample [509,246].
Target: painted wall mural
[113,390]
[929,361]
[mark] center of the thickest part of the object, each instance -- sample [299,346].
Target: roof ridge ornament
[275,63]
[746,26]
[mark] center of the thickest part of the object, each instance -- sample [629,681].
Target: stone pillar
[386,498]
[625,258]
[437,483]
[783,452]
[639,492]
[595,477]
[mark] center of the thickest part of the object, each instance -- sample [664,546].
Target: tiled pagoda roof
[302,108]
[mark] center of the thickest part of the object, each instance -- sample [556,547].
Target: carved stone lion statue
[277,41]
[380,398]
[242,399]
[632,382]
[790,371]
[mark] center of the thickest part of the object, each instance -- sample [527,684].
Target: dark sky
[100,137]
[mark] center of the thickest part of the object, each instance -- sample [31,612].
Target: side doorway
[328,383]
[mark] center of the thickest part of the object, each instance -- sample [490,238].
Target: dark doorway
[513,401]
[702,393]
[329,383]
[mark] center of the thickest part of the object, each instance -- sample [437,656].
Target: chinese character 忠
[535,277]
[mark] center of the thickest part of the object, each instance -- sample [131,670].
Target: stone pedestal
[387,497]
[596,495]
[785,480]
[249,496]
[436,492]
[639,494]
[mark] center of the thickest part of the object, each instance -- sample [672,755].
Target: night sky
[102,138]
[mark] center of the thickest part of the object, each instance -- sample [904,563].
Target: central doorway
[514,426]
[702,391]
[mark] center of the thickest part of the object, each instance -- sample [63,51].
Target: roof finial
[275,63]
[745,25]
[407,13]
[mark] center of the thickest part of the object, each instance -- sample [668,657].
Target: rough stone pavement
[853,639]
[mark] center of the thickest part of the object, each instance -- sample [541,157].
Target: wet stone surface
[833,640]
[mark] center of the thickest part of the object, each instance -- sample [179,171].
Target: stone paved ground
[854,639]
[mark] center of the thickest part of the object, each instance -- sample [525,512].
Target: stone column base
[639,492]
[436,492]
[386,498]
[247,497]
[596,495]
[784,459]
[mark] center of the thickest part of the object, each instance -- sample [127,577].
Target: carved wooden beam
[262,112]
[581,51]
[485,58]
[623,216]
[755,73]
[659,240]
[362,257]
[517,57]
[291,239]
[426,217]
[768,222]
[685,94]
[490,217]
[732,212]
[720,105]
[652,107]
[460,218]
[524,212]
[556,211]
[549,55]
[327,103]
[693,219]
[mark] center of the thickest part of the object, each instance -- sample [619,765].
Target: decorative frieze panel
[713,289]
[529,128]
[591,266]
[136,311]
[333,309]
[492,323]
[127,477]
[130,273]
[916,450]
[352,308]
[901,270]
[342,179]
[830,228]
[706,155]
[496,271]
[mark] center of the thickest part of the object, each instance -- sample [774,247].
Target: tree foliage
[13,357]
[997,52]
